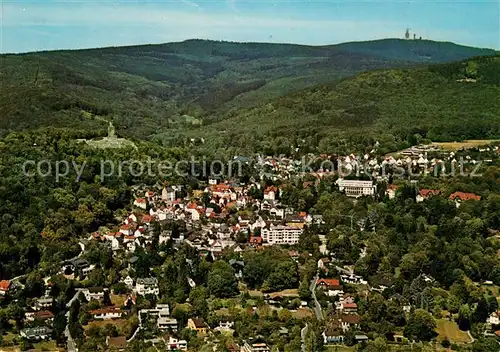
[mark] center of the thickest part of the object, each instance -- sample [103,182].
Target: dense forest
[445,102]
[216,99]
[147,90]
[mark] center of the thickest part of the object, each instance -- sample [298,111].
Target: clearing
[473,143]
[449,329]
[119,323]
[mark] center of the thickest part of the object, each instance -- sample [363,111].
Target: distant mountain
[415,50]
[146,90]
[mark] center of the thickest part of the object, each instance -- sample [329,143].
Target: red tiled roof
[271,188]
[43,315]
[392,187]
[4,285]
[428,192]
[350,305]
[140,200]
[351,318]
[147,218]
[199,323]
[328,282]
[105,311]
[464,196]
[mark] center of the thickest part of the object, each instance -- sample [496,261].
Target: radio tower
[407,34]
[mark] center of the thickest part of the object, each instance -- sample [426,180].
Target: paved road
[303,334]
[317,306]
[70,343]
[342,270]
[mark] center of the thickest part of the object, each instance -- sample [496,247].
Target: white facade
[166,323]
[93,293]
[129,282]
[174,344]
[140,203]
[106,314]
[356,188]
[147,286]
[269,195]
[281,235]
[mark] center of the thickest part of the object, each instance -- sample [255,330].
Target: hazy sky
[49,24]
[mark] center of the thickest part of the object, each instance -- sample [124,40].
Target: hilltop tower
[407,34]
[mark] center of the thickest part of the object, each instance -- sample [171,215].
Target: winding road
[317,306]
[70,343]
[303,334]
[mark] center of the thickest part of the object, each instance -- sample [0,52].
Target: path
[317,306]
[70,343]
[303,334]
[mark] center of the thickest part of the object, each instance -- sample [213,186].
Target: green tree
[420,326]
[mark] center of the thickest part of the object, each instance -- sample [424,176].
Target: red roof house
[331,284]
[4,287]
[463,196]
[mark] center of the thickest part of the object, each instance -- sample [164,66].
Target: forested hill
[148,89]
[444,102]
[415,50]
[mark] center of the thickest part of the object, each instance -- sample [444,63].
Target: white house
[276,212]
[96,293]
[174,344]
[141,203]
[147,286]
[353,279]
[129,282]
[38,333]
[270,193]
[226,324]
[168,194]
[107,313]
[166,323]
[494,318]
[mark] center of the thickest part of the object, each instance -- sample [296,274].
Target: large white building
[281,235]
[356,188]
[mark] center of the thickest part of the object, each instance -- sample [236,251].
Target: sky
[33,25]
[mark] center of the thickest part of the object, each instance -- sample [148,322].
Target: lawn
[118,300]
[465,144]
[10,349]
[293,292]
[339,348]
[449,329]
[286,293]
[494,289]
[9,337]
[47,346]
[119,323]
[302,313]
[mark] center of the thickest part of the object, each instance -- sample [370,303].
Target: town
[280,263]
